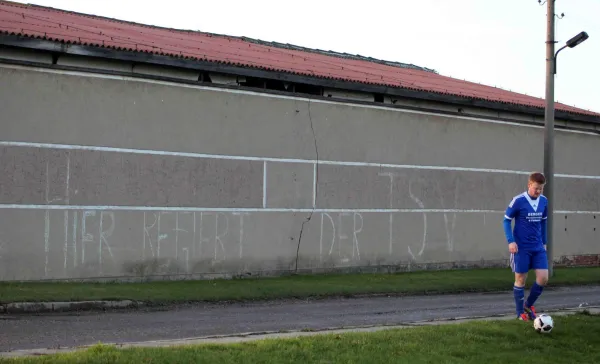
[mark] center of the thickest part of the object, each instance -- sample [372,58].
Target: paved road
[73,329]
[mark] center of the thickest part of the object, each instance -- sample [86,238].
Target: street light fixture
[549,125]
[578,39]
[571,43]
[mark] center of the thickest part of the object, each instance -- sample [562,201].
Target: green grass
[575,339]
[301,286]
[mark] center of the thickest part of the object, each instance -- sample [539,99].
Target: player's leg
[539,263]
[519,295]
[520,266]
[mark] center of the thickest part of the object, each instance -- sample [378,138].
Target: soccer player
[527,244]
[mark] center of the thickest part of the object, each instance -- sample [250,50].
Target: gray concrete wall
[113,177]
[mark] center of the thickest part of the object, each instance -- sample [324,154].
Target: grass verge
[575,339]
[301,286]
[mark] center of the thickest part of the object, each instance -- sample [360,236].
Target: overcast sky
[499,43]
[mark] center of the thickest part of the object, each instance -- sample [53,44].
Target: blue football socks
[536,291]
[519,293]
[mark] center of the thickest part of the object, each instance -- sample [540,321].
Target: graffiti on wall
[391,212]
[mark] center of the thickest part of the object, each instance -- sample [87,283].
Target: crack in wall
[316,184]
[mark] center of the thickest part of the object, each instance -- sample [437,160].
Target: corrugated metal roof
[69,27]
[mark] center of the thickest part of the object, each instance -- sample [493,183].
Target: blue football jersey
[530,221]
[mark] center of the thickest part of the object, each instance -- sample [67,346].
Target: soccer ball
[543,324]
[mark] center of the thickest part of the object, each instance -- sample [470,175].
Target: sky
[498,43]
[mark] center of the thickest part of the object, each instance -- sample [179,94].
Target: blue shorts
[523,261]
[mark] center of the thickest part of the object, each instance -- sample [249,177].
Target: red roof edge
[63,26]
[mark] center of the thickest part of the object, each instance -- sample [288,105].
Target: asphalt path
[59,330]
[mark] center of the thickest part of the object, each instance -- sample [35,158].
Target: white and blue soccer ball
[543,324]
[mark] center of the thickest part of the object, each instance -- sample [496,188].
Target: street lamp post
[549,125]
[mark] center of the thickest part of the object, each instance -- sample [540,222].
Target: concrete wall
[112,177]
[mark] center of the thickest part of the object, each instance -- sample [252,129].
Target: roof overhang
[181,62]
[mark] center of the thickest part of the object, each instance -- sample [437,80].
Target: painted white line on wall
[314,201]
[561,175]
[225,209]
[577,212]
[255,209]
[264,184]
[276,160]
[284,97]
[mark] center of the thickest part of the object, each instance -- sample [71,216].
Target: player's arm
[508,230]
[510,213]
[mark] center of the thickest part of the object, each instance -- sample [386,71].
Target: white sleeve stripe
[509,218]
[544,218]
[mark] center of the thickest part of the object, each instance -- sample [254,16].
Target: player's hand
[512,247]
